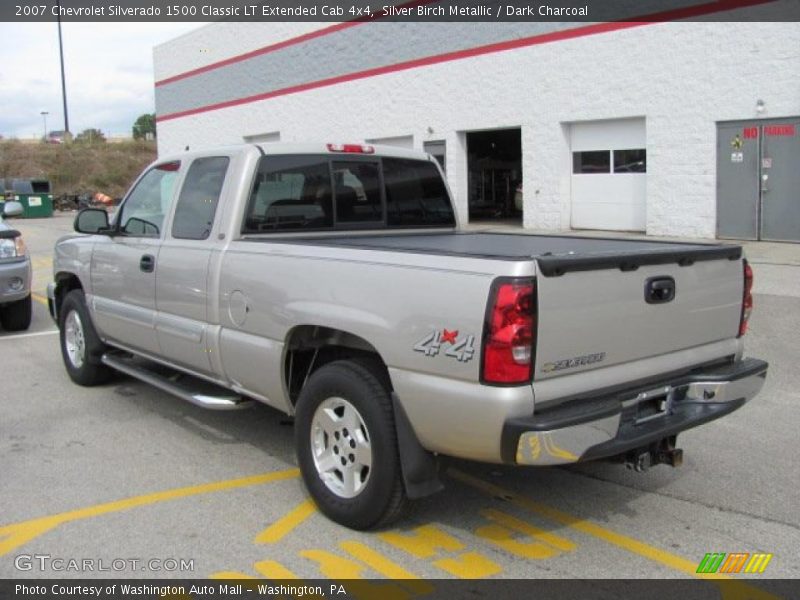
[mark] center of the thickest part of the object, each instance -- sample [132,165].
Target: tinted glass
[357,192]
[143,212]
[415,194]
[594,161]
[290,192]
[630,161]
[197,203]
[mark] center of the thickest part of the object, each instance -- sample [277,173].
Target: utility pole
[63,79]
[44,114]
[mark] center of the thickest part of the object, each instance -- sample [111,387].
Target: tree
[145,127]
[90,136]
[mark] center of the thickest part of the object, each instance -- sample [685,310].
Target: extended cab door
[182,285]
[123,265]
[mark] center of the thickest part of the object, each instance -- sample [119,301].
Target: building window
[630,161]
[593,161]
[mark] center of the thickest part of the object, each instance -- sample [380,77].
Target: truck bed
[555,254]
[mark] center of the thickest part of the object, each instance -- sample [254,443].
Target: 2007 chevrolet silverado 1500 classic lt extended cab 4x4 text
[332,282]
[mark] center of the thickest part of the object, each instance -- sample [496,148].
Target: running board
[196,391]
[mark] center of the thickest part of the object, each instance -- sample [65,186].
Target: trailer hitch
[661,452]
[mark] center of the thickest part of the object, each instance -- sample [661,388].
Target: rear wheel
[347,446]
[16,316]
[81,347]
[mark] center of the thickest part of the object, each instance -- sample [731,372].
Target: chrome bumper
[614,425]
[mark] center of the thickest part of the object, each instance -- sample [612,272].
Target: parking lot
[126,476]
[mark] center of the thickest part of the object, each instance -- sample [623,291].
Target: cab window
[143,212]
[197,203]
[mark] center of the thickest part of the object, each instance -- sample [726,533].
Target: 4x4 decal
[462,350]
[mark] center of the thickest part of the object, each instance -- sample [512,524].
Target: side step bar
[201,393]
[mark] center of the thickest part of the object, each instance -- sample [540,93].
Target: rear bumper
[607,426]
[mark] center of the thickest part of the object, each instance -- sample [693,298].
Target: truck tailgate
[599,317]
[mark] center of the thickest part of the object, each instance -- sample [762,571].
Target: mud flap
[420,467]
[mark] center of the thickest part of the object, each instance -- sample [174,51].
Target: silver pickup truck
[333,283]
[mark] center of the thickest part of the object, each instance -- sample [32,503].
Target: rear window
[325,192]
[290,192]
[415,194]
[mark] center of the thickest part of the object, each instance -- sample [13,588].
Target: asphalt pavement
[144,485]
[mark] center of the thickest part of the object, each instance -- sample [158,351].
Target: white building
[667,128]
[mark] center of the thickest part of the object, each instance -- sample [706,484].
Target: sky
[109,74]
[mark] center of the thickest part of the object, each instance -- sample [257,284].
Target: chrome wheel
[74,339]
[340,446]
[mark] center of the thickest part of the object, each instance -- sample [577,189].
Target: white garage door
[609,174]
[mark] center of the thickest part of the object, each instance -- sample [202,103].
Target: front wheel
[347,446]
[81,347]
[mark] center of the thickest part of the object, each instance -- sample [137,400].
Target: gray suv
[15,274]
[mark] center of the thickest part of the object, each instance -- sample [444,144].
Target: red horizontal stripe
[546,38]
[284,44]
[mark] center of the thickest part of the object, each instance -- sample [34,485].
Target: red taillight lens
[747,298]
[510,331]
[351,148]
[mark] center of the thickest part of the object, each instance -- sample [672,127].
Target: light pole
[63,78]
[44,114]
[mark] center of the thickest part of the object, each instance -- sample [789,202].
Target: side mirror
[12,209]
[91,220]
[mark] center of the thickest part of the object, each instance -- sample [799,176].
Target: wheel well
[65,283]
[309,347]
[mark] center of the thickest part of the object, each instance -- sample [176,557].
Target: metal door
[124,291]
[737,181]
[758,180]
[780,181]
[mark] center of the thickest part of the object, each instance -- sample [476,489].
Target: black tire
[382,497]
[89,370]
[16,316]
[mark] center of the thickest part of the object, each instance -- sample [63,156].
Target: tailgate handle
[659,290]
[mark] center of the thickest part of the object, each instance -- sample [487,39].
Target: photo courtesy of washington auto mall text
[399,299]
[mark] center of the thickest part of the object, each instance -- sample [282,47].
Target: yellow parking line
[17,534]
[283,526]
[39,298]
[729,589]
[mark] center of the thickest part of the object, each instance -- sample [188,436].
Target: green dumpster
[35,197]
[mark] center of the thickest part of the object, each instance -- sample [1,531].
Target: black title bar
[397,10]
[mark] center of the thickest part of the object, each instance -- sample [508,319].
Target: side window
[593,161]
[357,192]
[290,193]
[630,161]
[144,210]
[415,194]
[197,203]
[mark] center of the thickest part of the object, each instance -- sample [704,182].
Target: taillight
[351,148]
[747,298]
[509,335]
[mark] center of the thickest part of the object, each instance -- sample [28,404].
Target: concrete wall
[681,77]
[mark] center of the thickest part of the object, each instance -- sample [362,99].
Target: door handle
[147,263]
[659,290]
